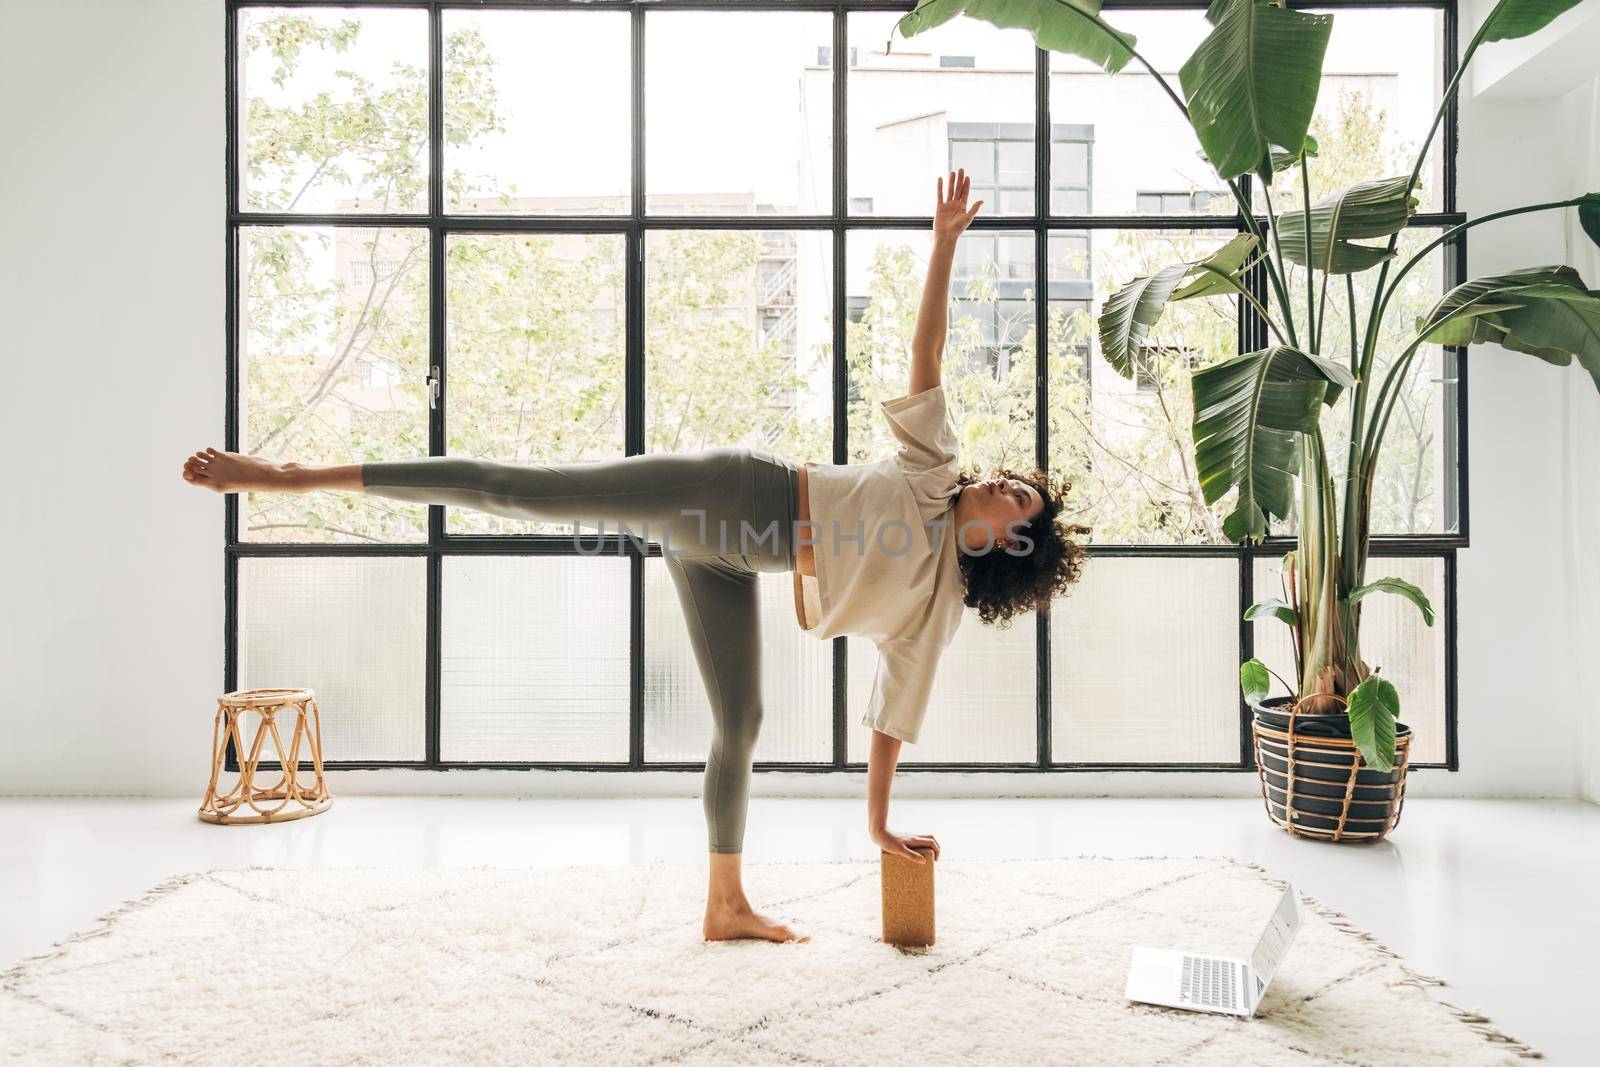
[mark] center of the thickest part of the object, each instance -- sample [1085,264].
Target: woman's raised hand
[952,215]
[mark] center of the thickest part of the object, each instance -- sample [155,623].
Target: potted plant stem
[1331,751]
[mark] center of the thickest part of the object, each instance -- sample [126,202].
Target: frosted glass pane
[797,680]
[1394,641]
[352,630]
[984,704]
[1144,663]
[533,659]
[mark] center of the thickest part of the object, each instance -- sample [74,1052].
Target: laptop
[1216,983]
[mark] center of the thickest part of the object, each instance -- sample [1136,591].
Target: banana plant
[1249,91]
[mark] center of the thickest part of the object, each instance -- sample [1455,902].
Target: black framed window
[425,258]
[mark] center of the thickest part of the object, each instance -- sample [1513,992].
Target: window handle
[433,388]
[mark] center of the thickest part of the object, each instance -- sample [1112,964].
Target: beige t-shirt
[884,538]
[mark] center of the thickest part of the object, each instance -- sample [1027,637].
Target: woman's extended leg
[721,605]
[694,504]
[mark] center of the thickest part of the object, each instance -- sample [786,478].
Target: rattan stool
[294,800]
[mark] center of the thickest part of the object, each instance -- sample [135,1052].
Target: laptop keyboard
[1209,983]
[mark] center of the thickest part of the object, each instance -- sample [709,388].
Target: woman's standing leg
[698,500]
[721,602]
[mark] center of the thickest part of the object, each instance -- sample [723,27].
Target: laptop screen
[1274,943]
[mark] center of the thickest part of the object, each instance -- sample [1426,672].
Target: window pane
[1394,641]
[738,341]
[796,680]
[1416,487]
[507,149]
[1129,451]
[1069,201]
[536,355]
[989,351]
[1016,201]
[976,157]
[354,631]
[984,703]
[1142,145]
[333,342]
[1144,662]
[738,113]
[1016,164]
[1381,85]
[533,663]
[334,105]
[912,118]
[1069,160]
[1069,257]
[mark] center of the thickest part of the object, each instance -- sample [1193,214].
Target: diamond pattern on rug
[606,964]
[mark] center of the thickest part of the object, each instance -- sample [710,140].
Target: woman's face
[987,508]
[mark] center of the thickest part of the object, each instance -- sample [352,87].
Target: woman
[890,551]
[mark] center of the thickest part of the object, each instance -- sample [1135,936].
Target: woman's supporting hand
[881,762]
[902,844]
[951,216]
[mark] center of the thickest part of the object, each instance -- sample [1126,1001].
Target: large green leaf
[1254,681]
[1543,311]
[1374,707]
[1367,209]
[1272,608]
[1131,311]
[1056,25]
[1511,19]
[1589,216]
[1282,159]
[1252,83]
[1218,274]
[1399,587]
[1248,413]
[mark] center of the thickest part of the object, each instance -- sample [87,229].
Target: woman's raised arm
[951,216]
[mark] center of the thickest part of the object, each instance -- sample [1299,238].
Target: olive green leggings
[721,516]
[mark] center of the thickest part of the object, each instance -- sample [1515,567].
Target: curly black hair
[1002,585]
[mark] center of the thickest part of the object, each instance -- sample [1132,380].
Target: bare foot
[733,923]
[230,472]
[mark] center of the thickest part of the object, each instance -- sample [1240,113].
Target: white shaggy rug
[606,965]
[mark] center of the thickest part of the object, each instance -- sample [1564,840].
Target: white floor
[1497,896]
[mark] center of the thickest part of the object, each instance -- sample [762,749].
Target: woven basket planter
[1314,781]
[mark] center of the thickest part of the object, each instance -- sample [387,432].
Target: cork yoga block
[908,899]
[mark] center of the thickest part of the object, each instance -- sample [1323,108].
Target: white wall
[1529,626]
[1580,110]
[111,292]
[111,296]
